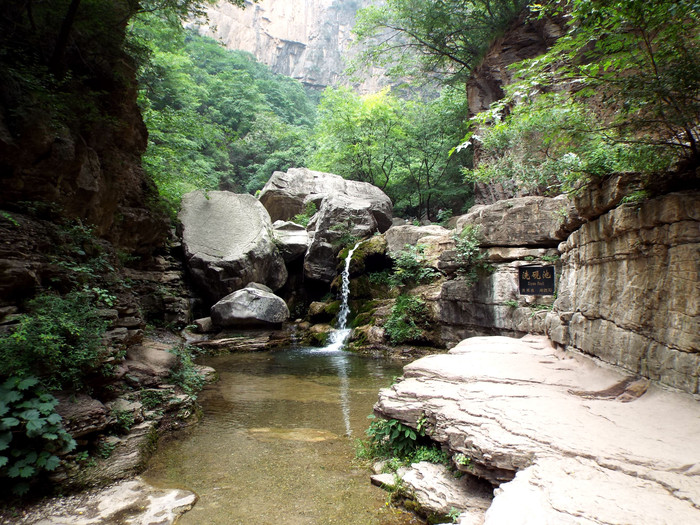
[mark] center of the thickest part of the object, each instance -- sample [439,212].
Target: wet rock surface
[564,439]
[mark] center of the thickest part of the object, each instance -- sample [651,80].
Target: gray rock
[292,239]
[250,306]
[82,415]
[629,289]
[286,194]
[228,243]
[558,432]
[132,501]
[345,207]
[437,491]
[397,237]
[523,221]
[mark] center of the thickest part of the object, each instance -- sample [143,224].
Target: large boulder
[253,305]
[286,194]
[228,243]
[523,221]
[345,208]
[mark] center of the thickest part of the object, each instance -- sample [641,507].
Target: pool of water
[276,442]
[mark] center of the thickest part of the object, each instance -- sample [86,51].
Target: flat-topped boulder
[228,243]
[564,439]
[253,305]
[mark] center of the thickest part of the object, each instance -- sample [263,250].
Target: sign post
[536,280]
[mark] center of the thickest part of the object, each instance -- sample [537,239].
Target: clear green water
[276,442]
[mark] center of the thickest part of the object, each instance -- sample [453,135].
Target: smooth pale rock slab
[254,305]
[228,243]
[588,444]
[130,502]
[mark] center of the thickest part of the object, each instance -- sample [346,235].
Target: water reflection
[272,445]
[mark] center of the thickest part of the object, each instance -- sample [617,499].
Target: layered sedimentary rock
[564,439]
[228,243]
[629,289]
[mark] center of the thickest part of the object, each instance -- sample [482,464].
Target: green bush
[304,217]
[409,316]
[185,374]
[471,257]
[59,340]
[401,444]
[31,433]
[410,267]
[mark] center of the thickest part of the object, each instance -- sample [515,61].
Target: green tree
[640,58]
[431,179]
[357,136]
[216,118]
[444,39]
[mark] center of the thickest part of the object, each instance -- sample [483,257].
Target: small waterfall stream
[336,341]
[338,337]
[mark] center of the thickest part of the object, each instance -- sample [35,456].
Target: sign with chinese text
[536,280]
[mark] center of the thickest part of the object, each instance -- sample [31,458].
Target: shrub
[59,340]
[469,255]
[185,374]
[410,267]
[305,217]
[409,316]
[31,433]
[401,444]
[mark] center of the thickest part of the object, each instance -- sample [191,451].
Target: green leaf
[9,422]
[54,418]
[3,461]
[27,383]
[51,463]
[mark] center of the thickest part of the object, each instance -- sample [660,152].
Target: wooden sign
[536,280]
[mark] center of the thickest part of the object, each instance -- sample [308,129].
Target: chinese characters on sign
[536,280]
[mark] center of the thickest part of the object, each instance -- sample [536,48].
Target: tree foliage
[637,62]
[216,118]
[445,39]
[398,145]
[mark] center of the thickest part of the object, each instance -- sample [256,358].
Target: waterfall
[340,334]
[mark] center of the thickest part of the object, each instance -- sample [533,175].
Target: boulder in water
[253,305]
[228,243]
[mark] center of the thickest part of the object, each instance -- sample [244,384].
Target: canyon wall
[308,40]
[629,292]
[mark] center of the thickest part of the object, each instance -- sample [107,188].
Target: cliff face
[303,39]
[71,134]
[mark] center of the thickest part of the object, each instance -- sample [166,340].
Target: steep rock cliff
[71,134]
[304,39]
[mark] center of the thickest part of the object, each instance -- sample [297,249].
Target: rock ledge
[564,439]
